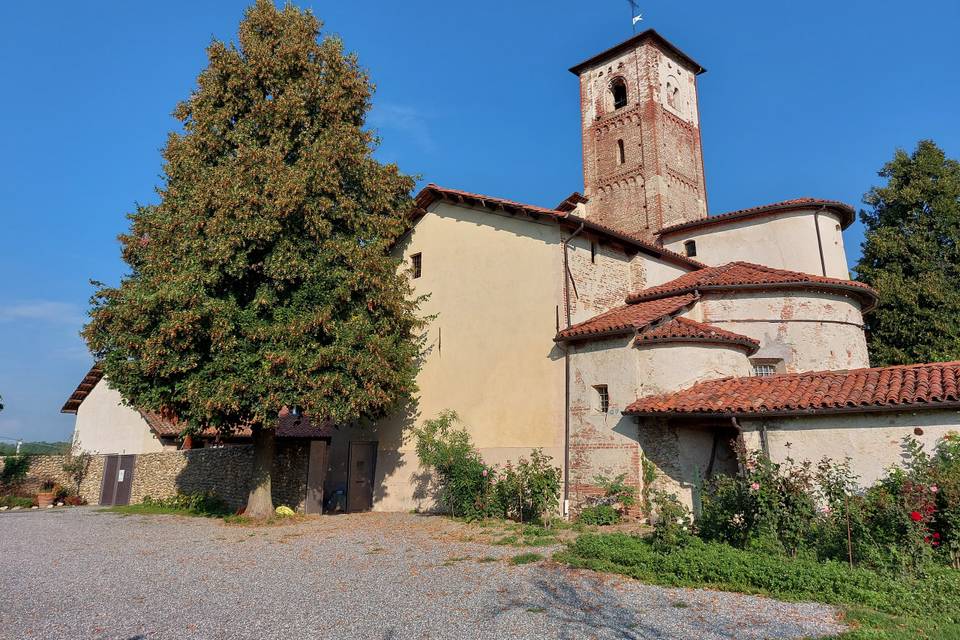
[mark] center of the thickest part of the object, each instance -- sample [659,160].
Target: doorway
[117,479]
[316,472]
[362,462]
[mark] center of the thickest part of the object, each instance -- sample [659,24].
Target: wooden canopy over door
[362,463]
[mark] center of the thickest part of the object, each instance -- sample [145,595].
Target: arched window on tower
[619,89]
[621,154]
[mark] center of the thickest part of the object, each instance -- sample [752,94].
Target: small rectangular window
[603,398]
[416,264]
[690,246]
[764,370]
[593,252]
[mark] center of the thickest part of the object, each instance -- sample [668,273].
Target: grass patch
[878,606]
[526,558]
[487,559]
[536,609]
[16,501]
[155,509]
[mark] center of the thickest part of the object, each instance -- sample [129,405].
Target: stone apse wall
[225,471]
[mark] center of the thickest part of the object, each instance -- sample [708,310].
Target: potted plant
[47,494]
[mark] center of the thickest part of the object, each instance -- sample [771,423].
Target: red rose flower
[915,516]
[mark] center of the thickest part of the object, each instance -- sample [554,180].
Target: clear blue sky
[800,98]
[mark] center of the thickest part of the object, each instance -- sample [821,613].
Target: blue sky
[801,98]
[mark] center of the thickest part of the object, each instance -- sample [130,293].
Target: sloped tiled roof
[906,387]
[627,319]
[843,210]
[686,330]
[432,192]
[745,275]
[83,390]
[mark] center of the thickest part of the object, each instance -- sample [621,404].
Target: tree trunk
[260,501]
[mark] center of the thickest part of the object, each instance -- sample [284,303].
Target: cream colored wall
[657,272]
[669,367]
[809,331]
[105,425]
[873,441]
[783,241]
[494,283]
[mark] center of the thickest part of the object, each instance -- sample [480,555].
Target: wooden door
[316,472]
[362,463]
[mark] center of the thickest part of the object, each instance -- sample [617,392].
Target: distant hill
[10,448]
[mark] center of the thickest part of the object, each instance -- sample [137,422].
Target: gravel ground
[78,573]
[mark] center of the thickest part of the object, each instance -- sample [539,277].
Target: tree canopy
[911,256]
[264,277]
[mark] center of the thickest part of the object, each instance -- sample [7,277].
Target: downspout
[741,445]
[566,375]
[816,223]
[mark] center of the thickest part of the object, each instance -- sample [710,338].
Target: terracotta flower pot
[45,499]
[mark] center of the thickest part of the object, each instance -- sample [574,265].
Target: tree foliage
[264,278]
[911,256]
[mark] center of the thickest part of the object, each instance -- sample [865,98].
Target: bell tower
[642,156]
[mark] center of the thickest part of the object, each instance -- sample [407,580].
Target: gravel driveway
[79,573]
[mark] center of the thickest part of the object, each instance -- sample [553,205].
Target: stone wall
[224,471]
[50,467]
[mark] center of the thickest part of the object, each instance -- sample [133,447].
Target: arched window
[619,89]
[621,154]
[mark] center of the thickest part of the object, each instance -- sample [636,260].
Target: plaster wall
[809,331]
[669,367]
[873,441]
[494,283]
[783,241]
[105,425]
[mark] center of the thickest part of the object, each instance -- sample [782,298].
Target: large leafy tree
[263,279]
[911,256]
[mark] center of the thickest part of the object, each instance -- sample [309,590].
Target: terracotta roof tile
[738,275]
[905,387]
[687,330]
[845,211]
[627,319]
[288,426]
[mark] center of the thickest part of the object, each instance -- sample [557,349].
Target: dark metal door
[117,479]
[316,472]
[362,461]
[124,479]
[109,487]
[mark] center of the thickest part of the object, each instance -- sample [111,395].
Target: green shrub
[16,501]
[673,522]
[464,482]
[526,558]
[527,490]
[467,487]
[14,471]
[600,514]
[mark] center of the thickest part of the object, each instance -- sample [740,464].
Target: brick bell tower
[642,157]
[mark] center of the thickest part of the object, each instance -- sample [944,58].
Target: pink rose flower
[825,509]
[755,486]
[934,488]
[484,473]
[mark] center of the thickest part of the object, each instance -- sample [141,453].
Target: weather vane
[635,15]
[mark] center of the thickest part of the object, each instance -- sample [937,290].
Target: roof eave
[846,213]
[649,34]
[786,413]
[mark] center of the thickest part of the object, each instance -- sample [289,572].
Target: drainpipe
[816,223]
[741,444]
[566,376]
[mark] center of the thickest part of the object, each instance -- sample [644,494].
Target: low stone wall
[50,467]
[224,471]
